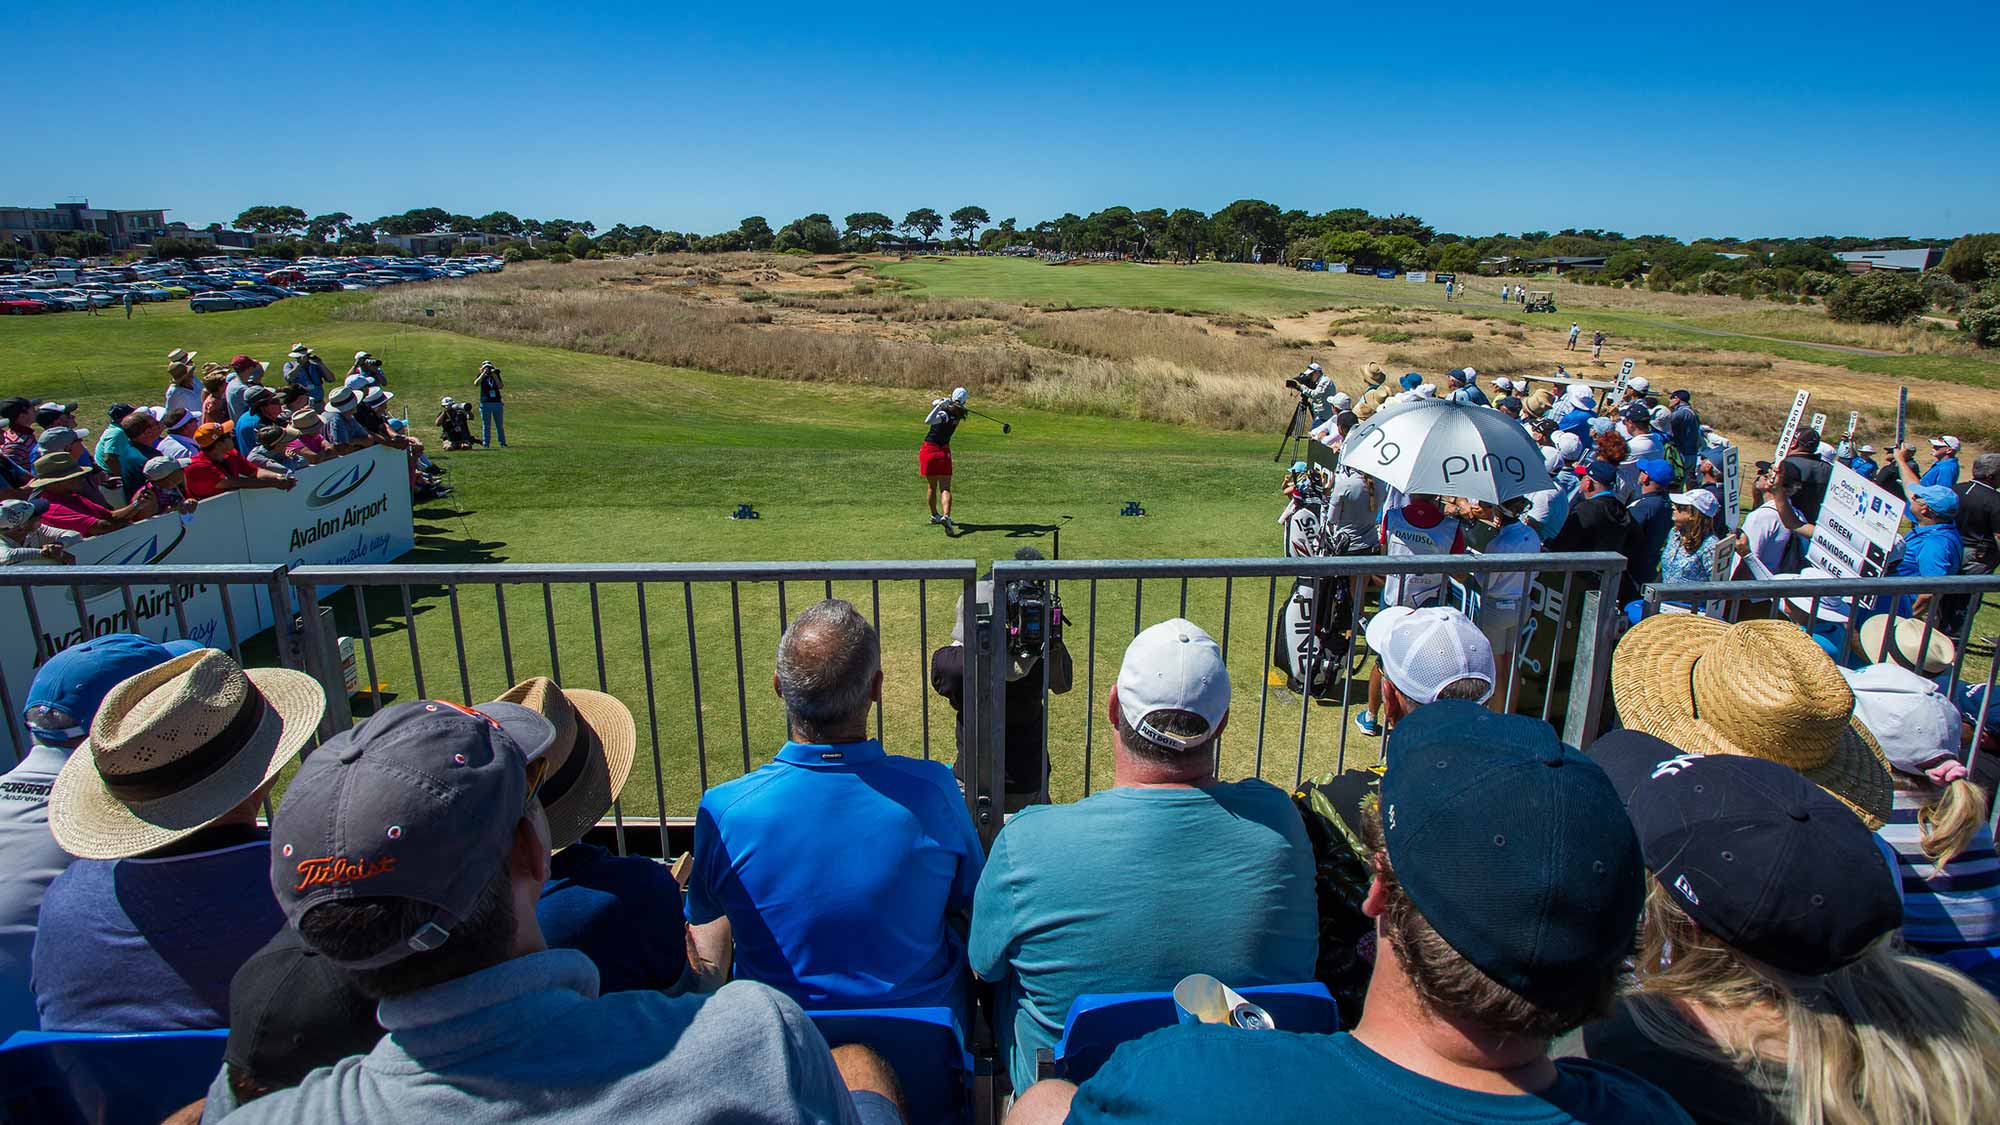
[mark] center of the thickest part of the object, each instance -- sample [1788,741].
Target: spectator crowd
[217,429]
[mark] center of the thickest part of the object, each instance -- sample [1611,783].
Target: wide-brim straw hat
[55,468]
[1939,654]
[1374,375]
[1758,689]
[175,748]
[590,759]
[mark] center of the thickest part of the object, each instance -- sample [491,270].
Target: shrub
[1877,297]
[511,254]
[1981,319]
[561,258]
[1391,337]
[1940,290]
[1967,259]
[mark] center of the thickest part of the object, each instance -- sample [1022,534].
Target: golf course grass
[613,460]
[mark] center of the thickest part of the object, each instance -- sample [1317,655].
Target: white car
[68,299]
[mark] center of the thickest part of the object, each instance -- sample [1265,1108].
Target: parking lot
[216,284]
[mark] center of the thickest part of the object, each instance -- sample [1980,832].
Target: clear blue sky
[1761,117]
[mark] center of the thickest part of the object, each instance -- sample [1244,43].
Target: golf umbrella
[1435,447]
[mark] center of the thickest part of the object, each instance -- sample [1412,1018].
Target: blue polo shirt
[840,868]
[1943,471]
[1929,550]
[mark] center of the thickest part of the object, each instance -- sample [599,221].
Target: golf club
[1004,427]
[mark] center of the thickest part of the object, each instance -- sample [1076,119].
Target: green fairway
[618,461]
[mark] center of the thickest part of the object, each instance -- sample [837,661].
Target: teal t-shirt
[1202,1073]
[1130,890]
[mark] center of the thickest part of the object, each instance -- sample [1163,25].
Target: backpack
[1330,806]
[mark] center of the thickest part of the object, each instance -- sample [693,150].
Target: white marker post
[1792,421]
[1732,487]
[1819,424]
[1853,423]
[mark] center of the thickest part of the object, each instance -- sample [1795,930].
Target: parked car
[68,299]
[23,304]
[316,285]
[224,301]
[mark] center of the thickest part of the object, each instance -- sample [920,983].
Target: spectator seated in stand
[165,487]
[411,855]
[876,925]
[170,892]
[308,438]
[1505,895]
[373,419]
[1169,872]
[177,436]
[1770,986]
[143,430]
[218,468]
[270,452]
[25,540]
[344,434]
[59,480]
[61,703]
[215,394]
[265,407]
[71,441]
[623,912]
[247,373]
[17,431]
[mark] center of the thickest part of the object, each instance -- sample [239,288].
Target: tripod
[1294,429]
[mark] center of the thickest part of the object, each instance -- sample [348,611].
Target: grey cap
[55,439]
[417,802]
[160,468]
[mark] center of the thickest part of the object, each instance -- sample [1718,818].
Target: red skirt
[933,460]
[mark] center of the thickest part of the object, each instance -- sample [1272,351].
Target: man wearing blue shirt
[1169,872]
[838,874]
[1473,974]
[1944,463]
[1684,425]
[262,405]
[1933,548]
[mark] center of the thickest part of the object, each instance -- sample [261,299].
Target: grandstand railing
[1953,594]
[469,631]
[1175,584]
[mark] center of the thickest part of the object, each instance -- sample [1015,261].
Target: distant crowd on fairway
[218,428]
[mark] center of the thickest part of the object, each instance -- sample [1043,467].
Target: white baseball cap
[1423,651]
[1700,499]
[1571,449]
[1173,666]
[958,394]
[1916,725]
[1552,459]
[1343,401]
[1639,384]
[1471,374]
[1864,448]
[1948,441]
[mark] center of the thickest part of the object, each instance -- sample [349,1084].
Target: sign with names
[1857,526]
[1792,421]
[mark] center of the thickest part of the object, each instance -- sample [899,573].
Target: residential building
[1902,261]
[38,227]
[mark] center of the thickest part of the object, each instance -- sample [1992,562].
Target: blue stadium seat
[1099,1022]
[924,1046]
[61,1077]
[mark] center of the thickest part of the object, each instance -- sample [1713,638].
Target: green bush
[1966,260]
[1981,319]
[1877,297]
[561,258]
[511,254]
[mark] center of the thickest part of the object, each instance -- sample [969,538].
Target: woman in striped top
[1944,849]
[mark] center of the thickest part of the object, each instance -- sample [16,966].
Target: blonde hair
[1950,816]
[1698,532]
[1888,1038]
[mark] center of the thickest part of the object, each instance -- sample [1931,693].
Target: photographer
[1316,391]
[455,419]
[1026,770]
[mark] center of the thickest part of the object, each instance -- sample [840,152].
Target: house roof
[1921,259]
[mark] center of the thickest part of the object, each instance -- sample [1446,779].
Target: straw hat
[1374,374]
[590,759]
[1939,655]
[54,468]
[1760,689]
[175,748]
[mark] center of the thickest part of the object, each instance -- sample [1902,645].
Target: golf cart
[1540,300]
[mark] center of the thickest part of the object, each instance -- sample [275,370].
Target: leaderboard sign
[352,510]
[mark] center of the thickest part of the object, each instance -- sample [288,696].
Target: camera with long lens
[1034,616]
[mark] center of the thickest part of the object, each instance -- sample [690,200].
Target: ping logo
[334,488]
[1686,888]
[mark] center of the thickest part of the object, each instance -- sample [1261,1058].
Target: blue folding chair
[1099,1022]
[76,1078]
[924,1046]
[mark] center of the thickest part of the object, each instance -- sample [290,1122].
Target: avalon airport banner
[1857,526]
[352,510]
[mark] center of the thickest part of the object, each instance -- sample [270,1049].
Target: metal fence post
[318,650]
[1591,671]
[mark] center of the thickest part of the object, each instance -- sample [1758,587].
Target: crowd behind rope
[219,428]
[1769,893]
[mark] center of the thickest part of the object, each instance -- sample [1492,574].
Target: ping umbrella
[1440,448]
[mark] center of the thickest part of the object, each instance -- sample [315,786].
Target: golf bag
[1313,633]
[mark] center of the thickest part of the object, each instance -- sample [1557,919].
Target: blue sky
[1775,118]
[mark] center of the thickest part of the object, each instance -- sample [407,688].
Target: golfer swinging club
[934,455]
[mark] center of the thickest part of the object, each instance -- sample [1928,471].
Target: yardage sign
[1732,487]
[1791,425]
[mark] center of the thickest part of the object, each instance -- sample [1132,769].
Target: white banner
[1416,275]
[1857,525]
[1336,267]
[350,511]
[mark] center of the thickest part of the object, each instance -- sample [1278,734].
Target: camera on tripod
[1034,617]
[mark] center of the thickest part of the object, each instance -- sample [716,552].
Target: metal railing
[1206,591]
[1962,596]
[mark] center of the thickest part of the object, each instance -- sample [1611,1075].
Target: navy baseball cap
[1682,395]
[1659,468]
[1755,853]
[66,692]
[416,802]
[1603,472]
[1513,847]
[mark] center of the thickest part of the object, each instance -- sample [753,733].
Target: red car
[20,304]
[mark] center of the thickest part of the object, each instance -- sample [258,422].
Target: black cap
[291,1012]
[10,407]
[1807,437]
[1757,855]
[50,411]
[1603,472]
[1763,466]
[1683,394]
[119,410]
[1509,402]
